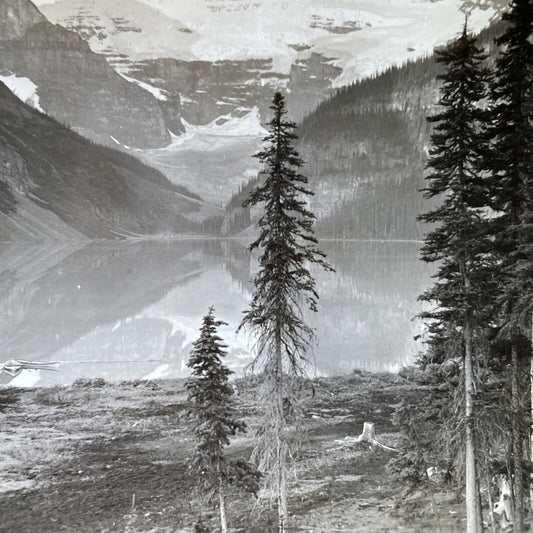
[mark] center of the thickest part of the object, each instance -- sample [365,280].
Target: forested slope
[57,185]
[365,150]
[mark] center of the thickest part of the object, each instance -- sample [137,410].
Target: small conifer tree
[214,419]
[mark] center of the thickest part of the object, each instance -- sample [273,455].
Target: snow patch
[158,93]
[340,17]
[23,88]
[227,126]
[390,32]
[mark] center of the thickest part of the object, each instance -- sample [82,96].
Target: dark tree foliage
[213,417]
[287,246]
[209,392]
[458,240]
[284,286]
[511,162]
[511,167]
[523,312]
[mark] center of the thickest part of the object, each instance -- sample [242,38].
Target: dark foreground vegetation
[98,457]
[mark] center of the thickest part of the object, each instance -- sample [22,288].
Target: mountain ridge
[61,186]
[77,86]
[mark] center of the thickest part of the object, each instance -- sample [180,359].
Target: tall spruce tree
[457,240]
[510,163]
[283,287]
[214,419]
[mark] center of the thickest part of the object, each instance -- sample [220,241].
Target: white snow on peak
[23,88]
[227,126]
[158,93]
[362,36]
[341,16]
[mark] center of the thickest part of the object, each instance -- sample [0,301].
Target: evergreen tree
[214,419]
[283,286]
[510,164]
[457,242]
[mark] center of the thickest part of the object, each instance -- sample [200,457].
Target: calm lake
[131,310]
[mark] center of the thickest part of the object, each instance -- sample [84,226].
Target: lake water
[131,310]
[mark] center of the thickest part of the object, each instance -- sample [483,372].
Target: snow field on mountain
[23,88]
[158,93]
[384,32]
[218,156]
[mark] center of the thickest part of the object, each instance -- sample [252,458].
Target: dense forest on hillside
[366,147]
[365,150]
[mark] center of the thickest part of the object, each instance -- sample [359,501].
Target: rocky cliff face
[129,33]
[77,86]
[208,90]
[17,17]
[310,83]
[211,89]
[57,185]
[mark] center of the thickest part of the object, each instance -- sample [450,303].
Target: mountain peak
[16,17]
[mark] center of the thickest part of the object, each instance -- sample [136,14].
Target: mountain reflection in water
[125,311]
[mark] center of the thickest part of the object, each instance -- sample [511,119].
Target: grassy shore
[100,457]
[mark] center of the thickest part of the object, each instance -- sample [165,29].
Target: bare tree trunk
[518,519]
[473,524]
[479,505]
[282,492]
[222,505]
[491,501]
[473,511]
[281,451]
[531,414]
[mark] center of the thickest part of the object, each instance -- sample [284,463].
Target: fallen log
[368,435]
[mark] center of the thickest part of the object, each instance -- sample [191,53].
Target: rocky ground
[99,457]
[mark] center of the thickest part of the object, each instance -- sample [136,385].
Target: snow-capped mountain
[76,86]
[227,55]
[375,32]
[137,73]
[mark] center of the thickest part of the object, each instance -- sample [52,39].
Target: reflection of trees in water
[367,308]
[238,262]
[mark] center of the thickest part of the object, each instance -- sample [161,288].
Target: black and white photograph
[266,266]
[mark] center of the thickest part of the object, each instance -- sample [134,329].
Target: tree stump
[368,435]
